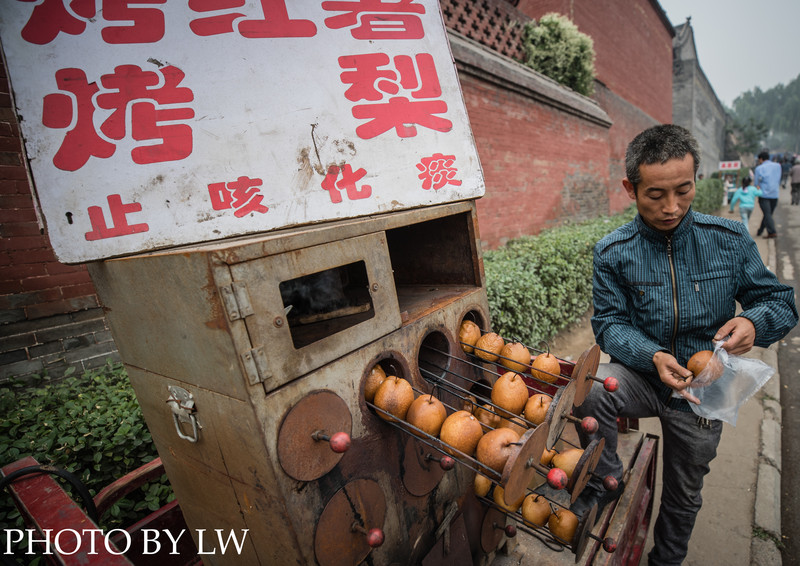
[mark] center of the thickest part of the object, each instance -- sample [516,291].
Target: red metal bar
[115,491]
[47,508]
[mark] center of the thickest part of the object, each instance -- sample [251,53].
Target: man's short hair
[764,155]
[659,144]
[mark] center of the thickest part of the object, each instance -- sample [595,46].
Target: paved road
[788,258]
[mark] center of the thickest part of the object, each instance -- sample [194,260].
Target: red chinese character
[348,183]
[130,83]
[119,222]
[122,92]
[416,77]
[147,27]
[62,110]
[438,171]
[378,19]
[400,113]
[368,81]
[51,17]
[242,194]
[275,22]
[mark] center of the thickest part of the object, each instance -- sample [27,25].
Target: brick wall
[537,157]
[632,43]
[544,150]
[49,316]
[694,104]
[494,24]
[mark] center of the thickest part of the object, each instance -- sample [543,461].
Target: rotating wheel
[421,470]
[492,529]
[521,465]
[585,466]
[582,373]
[560,407]
[350,525]
[582,532]
[302,452]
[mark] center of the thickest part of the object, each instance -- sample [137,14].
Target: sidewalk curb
[767,512]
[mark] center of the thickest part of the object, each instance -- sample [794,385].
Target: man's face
[665,193]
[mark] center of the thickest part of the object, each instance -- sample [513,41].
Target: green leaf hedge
[539,285]
[709,195]
[90,425]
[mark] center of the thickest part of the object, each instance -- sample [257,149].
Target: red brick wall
[627,122]
[49,316]
[541,165]
[632,43]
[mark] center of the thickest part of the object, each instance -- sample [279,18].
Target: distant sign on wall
[151,124]
[730,165]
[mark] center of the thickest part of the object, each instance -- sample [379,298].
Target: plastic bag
[725,384]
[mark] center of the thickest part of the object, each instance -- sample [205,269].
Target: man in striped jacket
[665,287]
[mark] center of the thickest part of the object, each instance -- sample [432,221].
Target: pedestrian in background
[767,180]
[786,166]
[794,177]
[746,197]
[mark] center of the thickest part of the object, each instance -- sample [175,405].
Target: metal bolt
[374,286]
[278,322]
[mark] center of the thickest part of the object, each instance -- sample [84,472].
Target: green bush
[708,196]
[538,285]
[555,48]
[90,425]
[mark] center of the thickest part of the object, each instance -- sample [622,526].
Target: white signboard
[730,165]
[150,124]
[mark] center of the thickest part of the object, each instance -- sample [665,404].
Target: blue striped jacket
[652,292]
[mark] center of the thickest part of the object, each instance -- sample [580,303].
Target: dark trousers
[688,448]
[795,193]
[768,206]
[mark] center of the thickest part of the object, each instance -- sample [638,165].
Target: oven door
[313,305]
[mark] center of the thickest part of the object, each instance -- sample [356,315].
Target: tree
[772,115]
[556,48]
[749,136]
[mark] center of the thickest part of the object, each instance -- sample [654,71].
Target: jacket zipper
[674,296]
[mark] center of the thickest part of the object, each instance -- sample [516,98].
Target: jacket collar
[660,237]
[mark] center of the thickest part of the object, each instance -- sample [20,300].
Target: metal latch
[236,300]
[181,402]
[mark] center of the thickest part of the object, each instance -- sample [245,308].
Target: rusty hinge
[236,300]
[255,366]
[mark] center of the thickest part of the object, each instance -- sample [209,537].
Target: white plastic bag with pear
[725,384]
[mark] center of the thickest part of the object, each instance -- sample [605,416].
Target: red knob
[340,442]
[447,463]
[557,478]
[375,537]
[609,544]
[511,531]
[589,425]
[610,483]
[610,384]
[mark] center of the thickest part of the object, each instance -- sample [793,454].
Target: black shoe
[591,496]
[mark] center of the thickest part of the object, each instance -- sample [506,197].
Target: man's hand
[742,335]
[671,373]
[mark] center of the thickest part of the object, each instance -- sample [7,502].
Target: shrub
[538,285]
[708,195]
[90,425]
[556,48]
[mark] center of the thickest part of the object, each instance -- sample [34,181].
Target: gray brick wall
[50,345]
